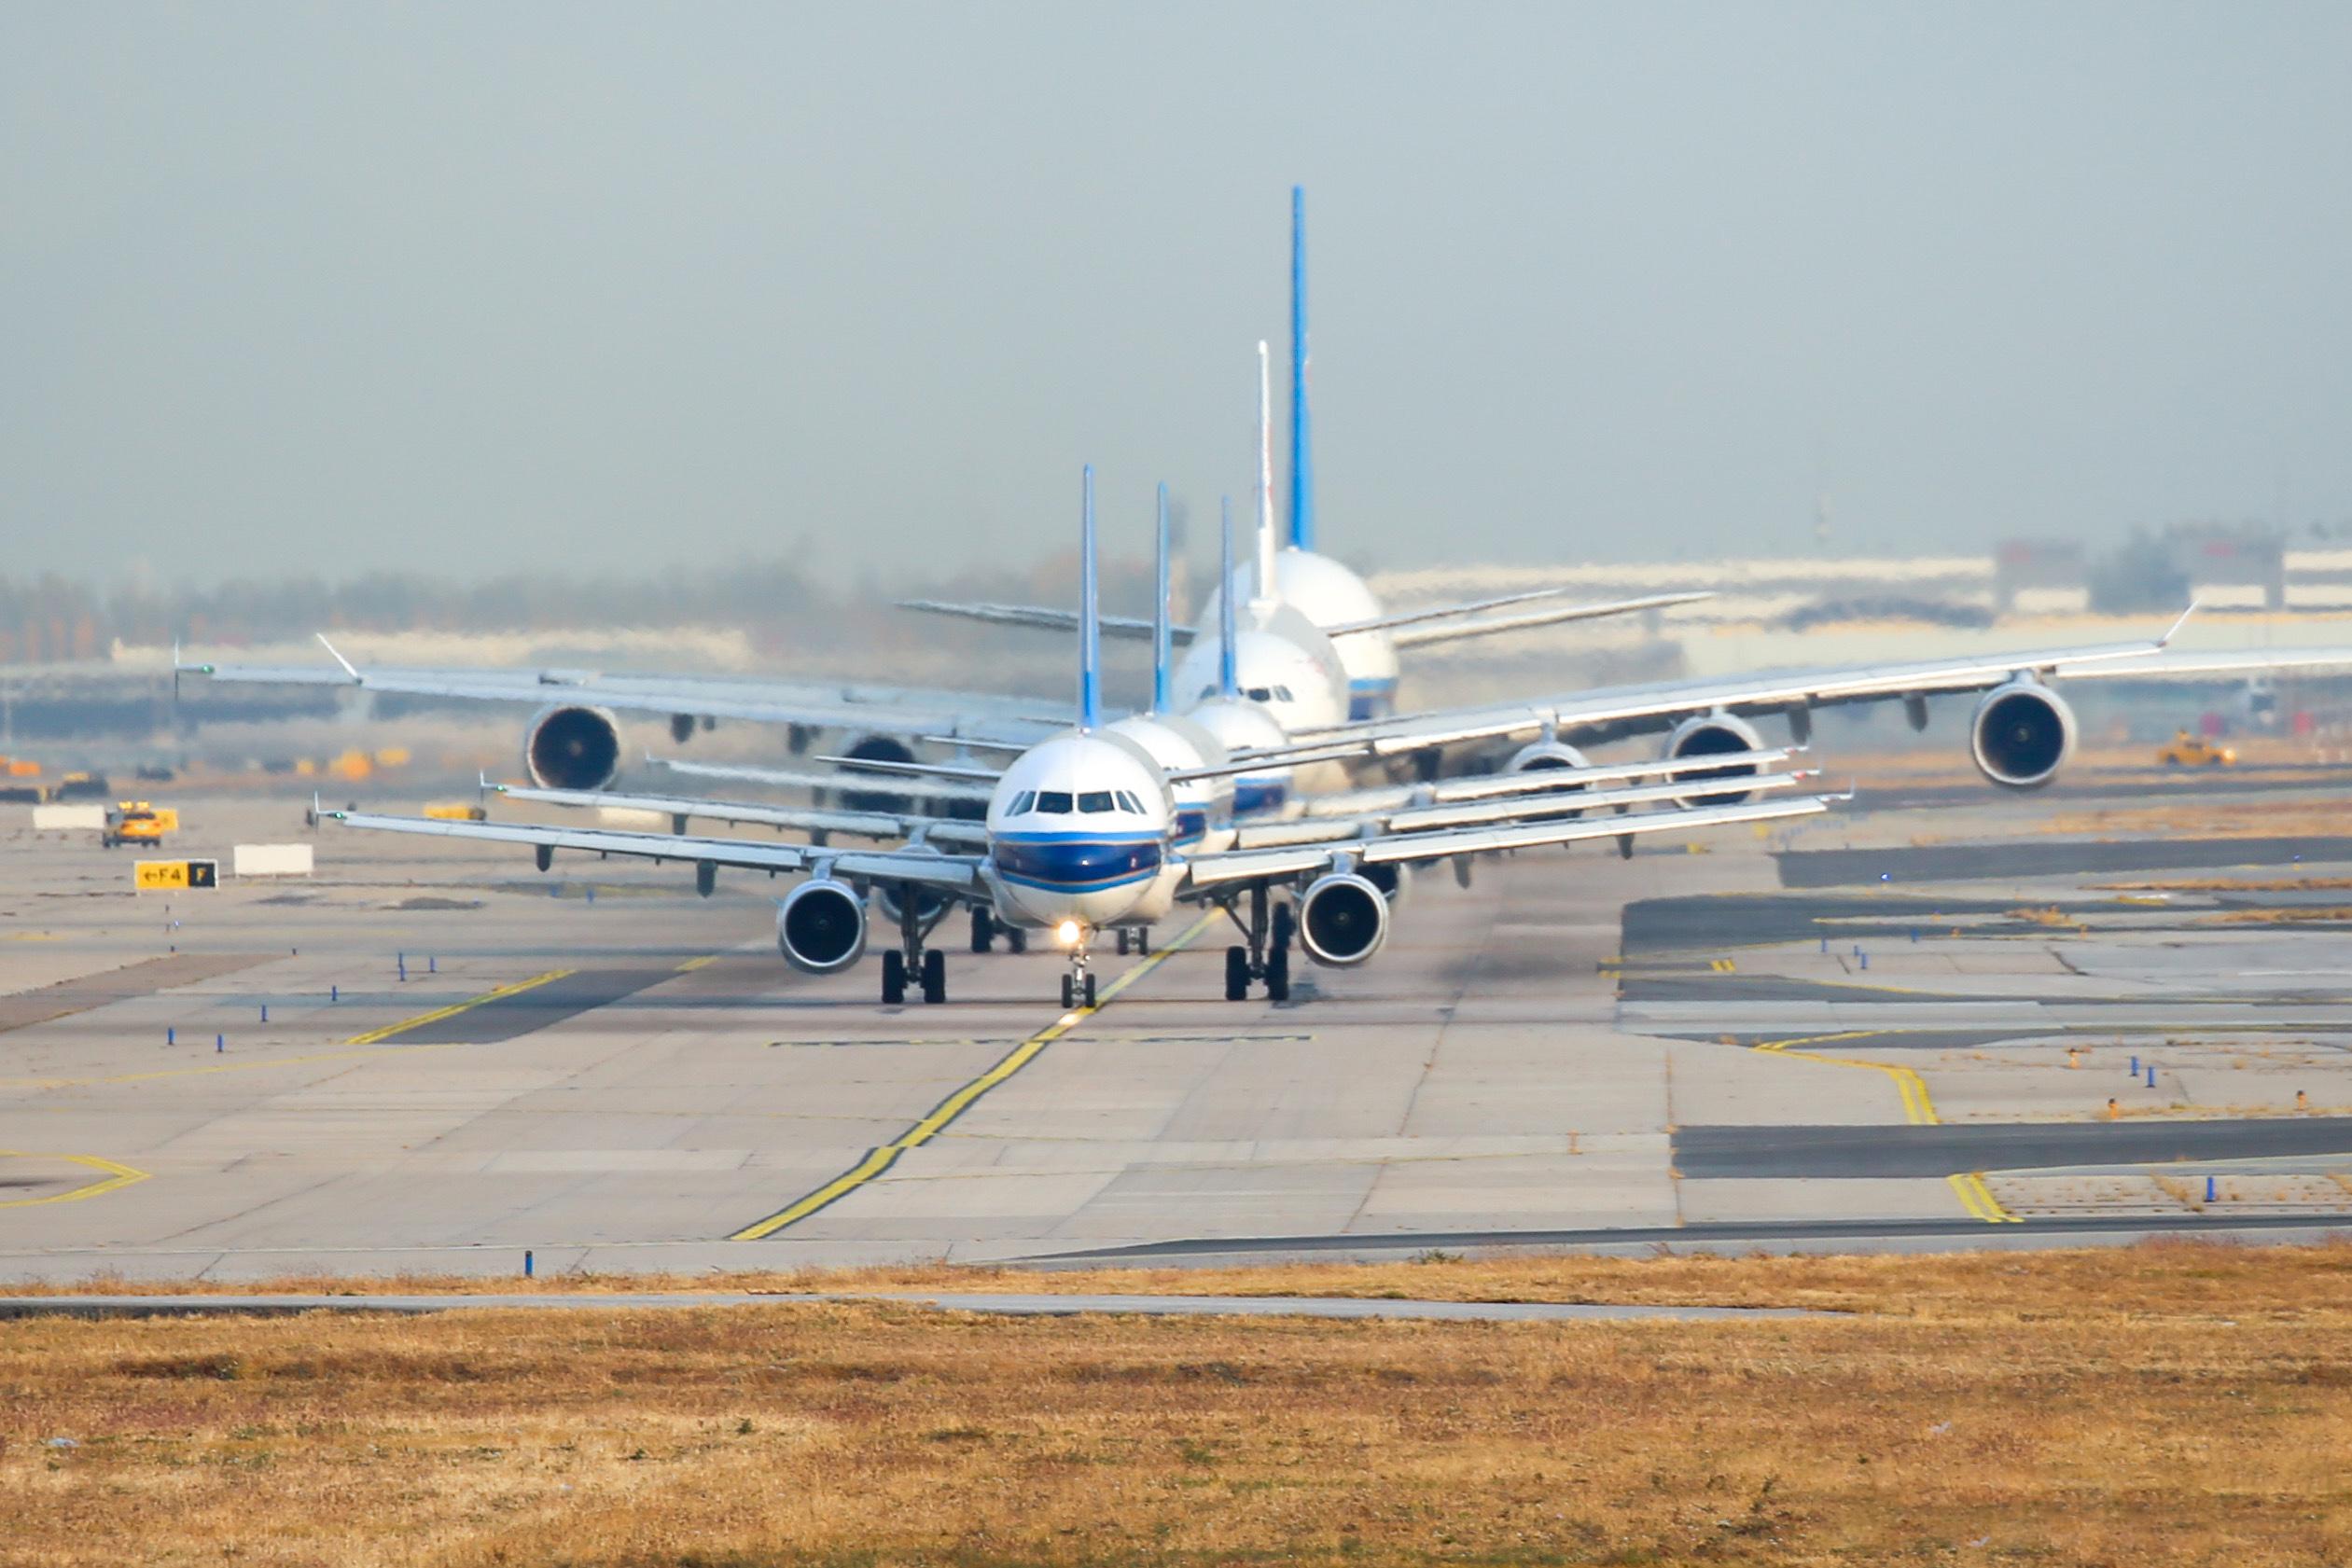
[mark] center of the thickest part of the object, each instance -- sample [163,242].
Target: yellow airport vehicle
[450,811]
[2185,750]
[157,876]
[135,821]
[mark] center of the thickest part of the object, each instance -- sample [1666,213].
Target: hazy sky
[504,284]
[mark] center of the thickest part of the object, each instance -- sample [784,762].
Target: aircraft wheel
[1236,973]
[934,976]
[1143,942]
[1016,940]
[1278,975]
[1285,926]
[983,931]
[1122,941]
[1090,988]
[893,979]
[1069,993]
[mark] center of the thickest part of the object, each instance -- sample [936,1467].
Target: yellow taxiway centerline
[1918,1110]
[877,1161]
[389,1030]
[117,1177]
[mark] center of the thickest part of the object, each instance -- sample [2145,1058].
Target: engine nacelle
[2020,734]
[1393,881]
[1715,735]
[928,902]
[570,747]
[1342,921]
[1542,755]
[821,927]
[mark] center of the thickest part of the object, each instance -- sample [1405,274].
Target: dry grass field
[2174,1404]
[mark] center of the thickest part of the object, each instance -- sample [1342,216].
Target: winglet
[349,669]
[1089,632]
[1228,681]
[2175,630]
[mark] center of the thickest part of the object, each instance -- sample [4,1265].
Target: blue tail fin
[1227,685]
[1160,637]
[1301,432]
[1090,629]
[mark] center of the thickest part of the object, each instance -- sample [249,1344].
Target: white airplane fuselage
[1081,832]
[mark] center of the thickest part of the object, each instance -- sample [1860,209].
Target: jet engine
[1545,754]
[2020,734]
[1342,921]
[1715,735]
[571,747]
[1394,881]
[1542,756]
[821,927]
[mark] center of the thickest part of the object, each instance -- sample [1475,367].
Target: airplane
[1322,591]
[2020,736]
[1081,837]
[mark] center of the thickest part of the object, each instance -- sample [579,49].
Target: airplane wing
[1042,615]
[889,709]
[1610,712]
[1515,807]
[1207,872]
[948,873]
[795,777]
[1410,630]
[806,819]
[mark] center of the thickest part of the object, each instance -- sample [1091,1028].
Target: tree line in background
[54,619]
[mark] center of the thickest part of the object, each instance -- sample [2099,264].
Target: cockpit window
[1022,802]
[1259,693]
[1282,693]
[1095,801]
[1054,803]
[1129,803]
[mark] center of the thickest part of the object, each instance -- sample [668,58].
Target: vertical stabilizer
[1266,543]
[1162,641]
[1302,427]
[1228,684]
[1090,629]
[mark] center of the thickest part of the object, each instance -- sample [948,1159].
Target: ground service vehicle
[132,821]
[2185,750]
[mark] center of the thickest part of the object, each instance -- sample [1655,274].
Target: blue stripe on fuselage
[1370,698]
[1260,795]
[1077,862]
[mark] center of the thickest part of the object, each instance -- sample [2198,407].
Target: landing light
[1066,933]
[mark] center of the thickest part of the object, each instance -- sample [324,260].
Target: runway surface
[1714,1044]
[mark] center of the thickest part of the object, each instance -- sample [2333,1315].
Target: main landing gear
[909,961]
[1267,956]
[1136,939]
[987,928]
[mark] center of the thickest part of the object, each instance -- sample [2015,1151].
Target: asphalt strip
[1003,1305]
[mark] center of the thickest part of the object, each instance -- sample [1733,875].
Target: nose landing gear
[1267,954]
[1078,986]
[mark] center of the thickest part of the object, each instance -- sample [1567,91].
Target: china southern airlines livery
[1318,618]
[1083,834]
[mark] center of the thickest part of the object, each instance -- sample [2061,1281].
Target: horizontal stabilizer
[1039,616]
